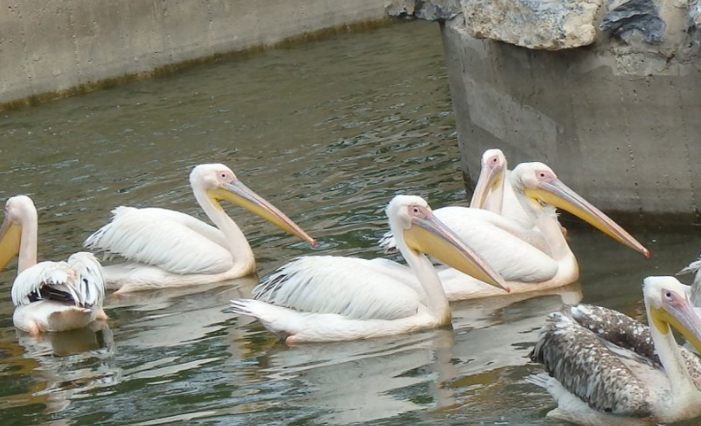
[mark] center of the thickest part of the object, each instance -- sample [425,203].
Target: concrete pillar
[613,106]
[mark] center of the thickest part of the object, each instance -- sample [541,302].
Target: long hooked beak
[431,236]
[489,179]
[239,194]
[676,311]
[560,195]
[692,267]
[10,235]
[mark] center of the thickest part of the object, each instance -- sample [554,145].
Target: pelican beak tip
[312,242]
[646,253]
[507,289]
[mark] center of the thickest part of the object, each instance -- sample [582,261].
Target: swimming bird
[695,288]
[166,248]
[606,368]
[327,298]
[493,192]
[508,248]
[48,296]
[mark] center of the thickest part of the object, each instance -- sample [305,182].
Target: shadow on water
[328,132]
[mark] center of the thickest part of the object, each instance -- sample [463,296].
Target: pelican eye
[668,294]
[415,210]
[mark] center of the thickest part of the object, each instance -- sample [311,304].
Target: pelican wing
[91,284]
[355,288]
[587,368]
[170,240]
[76,282]
[625,332]
[46,280]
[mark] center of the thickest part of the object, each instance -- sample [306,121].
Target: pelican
[327,298]
[493,192]
[695,288]
[606,368]
[507,247]
[166,248]
[48,296]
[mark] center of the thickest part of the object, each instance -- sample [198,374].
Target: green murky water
[328,132]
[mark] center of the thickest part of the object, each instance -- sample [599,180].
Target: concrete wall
[49,46]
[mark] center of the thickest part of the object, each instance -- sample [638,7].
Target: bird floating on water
[48,296]
[507,246]
[327,298]
[605,368]
[695,287]
[165,248]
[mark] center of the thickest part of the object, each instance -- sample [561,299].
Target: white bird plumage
[48,296]
[510,248]
[606,368]
[330,298]
[166,248]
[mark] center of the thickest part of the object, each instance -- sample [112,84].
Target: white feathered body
[327,298]
[165,248]
[59,296]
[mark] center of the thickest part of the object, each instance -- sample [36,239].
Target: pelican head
[668,305]
[493,167]
[18,211]
[412,220]
[220,183]
[540,184]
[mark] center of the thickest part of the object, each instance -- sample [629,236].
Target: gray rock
[627,17]
[535,24]
[694,10]
[430,10]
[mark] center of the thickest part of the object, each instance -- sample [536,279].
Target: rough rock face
[535,24]
[430,10]
[628,16]
[694,8]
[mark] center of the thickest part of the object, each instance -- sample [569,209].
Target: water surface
[328,131]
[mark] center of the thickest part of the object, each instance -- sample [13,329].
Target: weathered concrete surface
[617,120]
[51,46]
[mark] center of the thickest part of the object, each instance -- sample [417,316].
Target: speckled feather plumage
[628,333]
[582,363]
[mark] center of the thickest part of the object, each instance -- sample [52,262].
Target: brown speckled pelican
[605,368]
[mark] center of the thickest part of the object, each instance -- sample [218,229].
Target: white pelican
[166,248]
[507,247]
[493,192]
[695,288]
[327,298]
[607,369]
[48,296]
